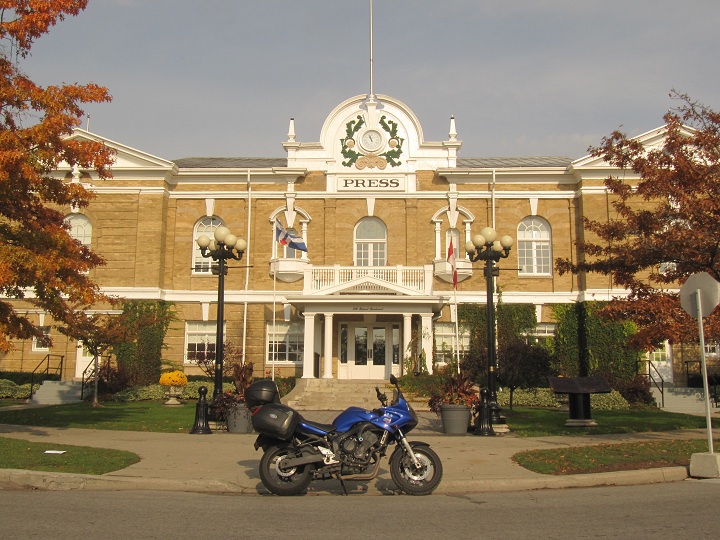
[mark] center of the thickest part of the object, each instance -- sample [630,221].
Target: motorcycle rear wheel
[292,481]
[412,480]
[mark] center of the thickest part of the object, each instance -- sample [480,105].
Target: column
[427,340]
[407,336]
[327,367]
[309,345]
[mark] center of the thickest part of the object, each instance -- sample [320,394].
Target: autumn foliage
[40,262]
[667,224]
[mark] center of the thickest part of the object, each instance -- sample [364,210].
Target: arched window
[206,226]
[80,228]
[370,242]
[534,242]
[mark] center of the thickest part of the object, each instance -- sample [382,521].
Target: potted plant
[455,403]
[230,407]
[175,381]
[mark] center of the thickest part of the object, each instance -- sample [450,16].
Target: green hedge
[23,377]
[11,390]
[546,398]
[156,392]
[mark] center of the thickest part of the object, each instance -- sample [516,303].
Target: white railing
[368,279]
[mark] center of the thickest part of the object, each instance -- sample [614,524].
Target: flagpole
[451,259]
[457,332]
[272,360]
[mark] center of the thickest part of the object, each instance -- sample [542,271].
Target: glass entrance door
[369,357]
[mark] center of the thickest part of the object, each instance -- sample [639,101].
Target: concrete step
[334,394]
[56,393]
[683,400]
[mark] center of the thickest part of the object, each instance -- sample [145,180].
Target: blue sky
[522,77]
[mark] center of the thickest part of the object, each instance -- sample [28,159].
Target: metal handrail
[90,374]
[46,371]
[87,377]
[651,379]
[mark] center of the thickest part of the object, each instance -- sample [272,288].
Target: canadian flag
[451,260]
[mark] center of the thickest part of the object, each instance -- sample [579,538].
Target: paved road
[679,510]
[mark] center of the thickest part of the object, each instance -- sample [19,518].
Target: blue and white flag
[286,238]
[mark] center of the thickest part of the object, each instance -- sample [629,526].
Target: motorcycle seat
[317,425]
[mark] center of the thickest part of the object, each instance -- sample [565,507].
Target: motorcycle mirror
[393,379]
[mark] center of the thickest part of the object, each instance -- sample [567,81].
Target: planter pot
[238,420]
[173,394]
[455,419]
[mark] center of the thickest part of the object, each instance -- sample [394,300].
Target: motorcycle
[297,451]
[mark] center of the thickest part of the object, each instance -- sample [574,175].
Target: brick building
[377,206]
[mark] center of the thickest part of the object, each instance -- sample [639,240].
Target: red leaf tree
[40,262]
[667,224]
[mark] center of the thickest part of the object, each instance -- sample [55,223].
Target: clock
[371,140]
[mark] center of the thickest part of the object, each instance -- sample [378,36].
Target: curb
[22,479]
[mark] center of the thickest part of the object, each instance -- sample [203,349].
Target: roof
[229,163]
[513,162]
[462,163]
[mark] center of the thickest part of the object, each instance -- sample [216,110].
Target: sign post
[699,296]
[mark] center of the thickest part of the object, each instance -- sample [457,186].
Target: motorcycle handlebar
[382,398]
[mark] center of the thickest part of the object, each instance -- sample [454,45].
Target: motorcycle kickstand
[342,483]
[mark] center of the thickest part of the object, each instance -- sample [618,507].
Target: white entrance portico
[363,336]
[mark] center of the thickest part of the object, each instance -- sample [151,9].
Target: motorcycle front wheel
[413,480]
[291,481]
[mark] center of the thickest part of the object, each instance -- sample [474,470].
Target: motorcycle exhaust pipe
[289,463]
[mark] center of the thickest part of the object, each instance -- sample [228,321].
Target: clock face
[371,140]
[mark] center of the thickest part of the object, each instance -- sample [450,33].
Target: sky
[522,77]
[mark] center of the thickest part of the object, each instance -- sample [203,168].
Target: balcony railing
[368,279]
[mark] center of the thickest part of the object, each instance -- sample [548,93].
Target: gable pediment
[368,285]
[126,157]
[652,140]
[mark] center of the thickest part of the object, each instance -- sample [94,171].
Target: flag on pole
[286,238]
[451,260]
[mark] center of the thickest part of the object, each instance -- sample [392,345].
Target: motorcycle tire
[411,480]
[292,481]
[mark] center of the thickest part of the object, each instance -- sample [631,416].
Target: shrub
[609,402]
[10,390]
[636,390]
[529,397]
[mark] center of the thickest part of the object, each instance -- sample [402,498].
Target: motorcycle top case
[276,420]
[262,393]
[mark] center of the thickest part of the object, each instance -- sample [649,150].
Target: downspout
[492,199]
[247,265]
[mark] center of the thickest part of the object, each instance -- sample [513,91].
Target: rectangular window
[200,338]
[534,257]
[38,345]
[445,342]
[286,342]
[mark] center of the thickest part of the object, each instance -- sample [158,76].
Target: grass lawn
[528,422]
[19,454]
[612,457]
[133,416]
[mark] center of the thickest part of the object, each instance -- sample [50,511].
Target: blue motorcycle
[298,451]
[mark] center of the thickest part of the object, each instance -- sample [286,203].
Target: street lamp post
[486,247]
[224,246]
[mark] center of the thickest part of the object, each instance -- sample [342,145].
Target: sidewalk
[224,462]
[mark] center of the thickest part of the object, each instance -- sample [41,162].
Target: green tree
[139,356]
[520,364]
[40,262]
[587,343]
